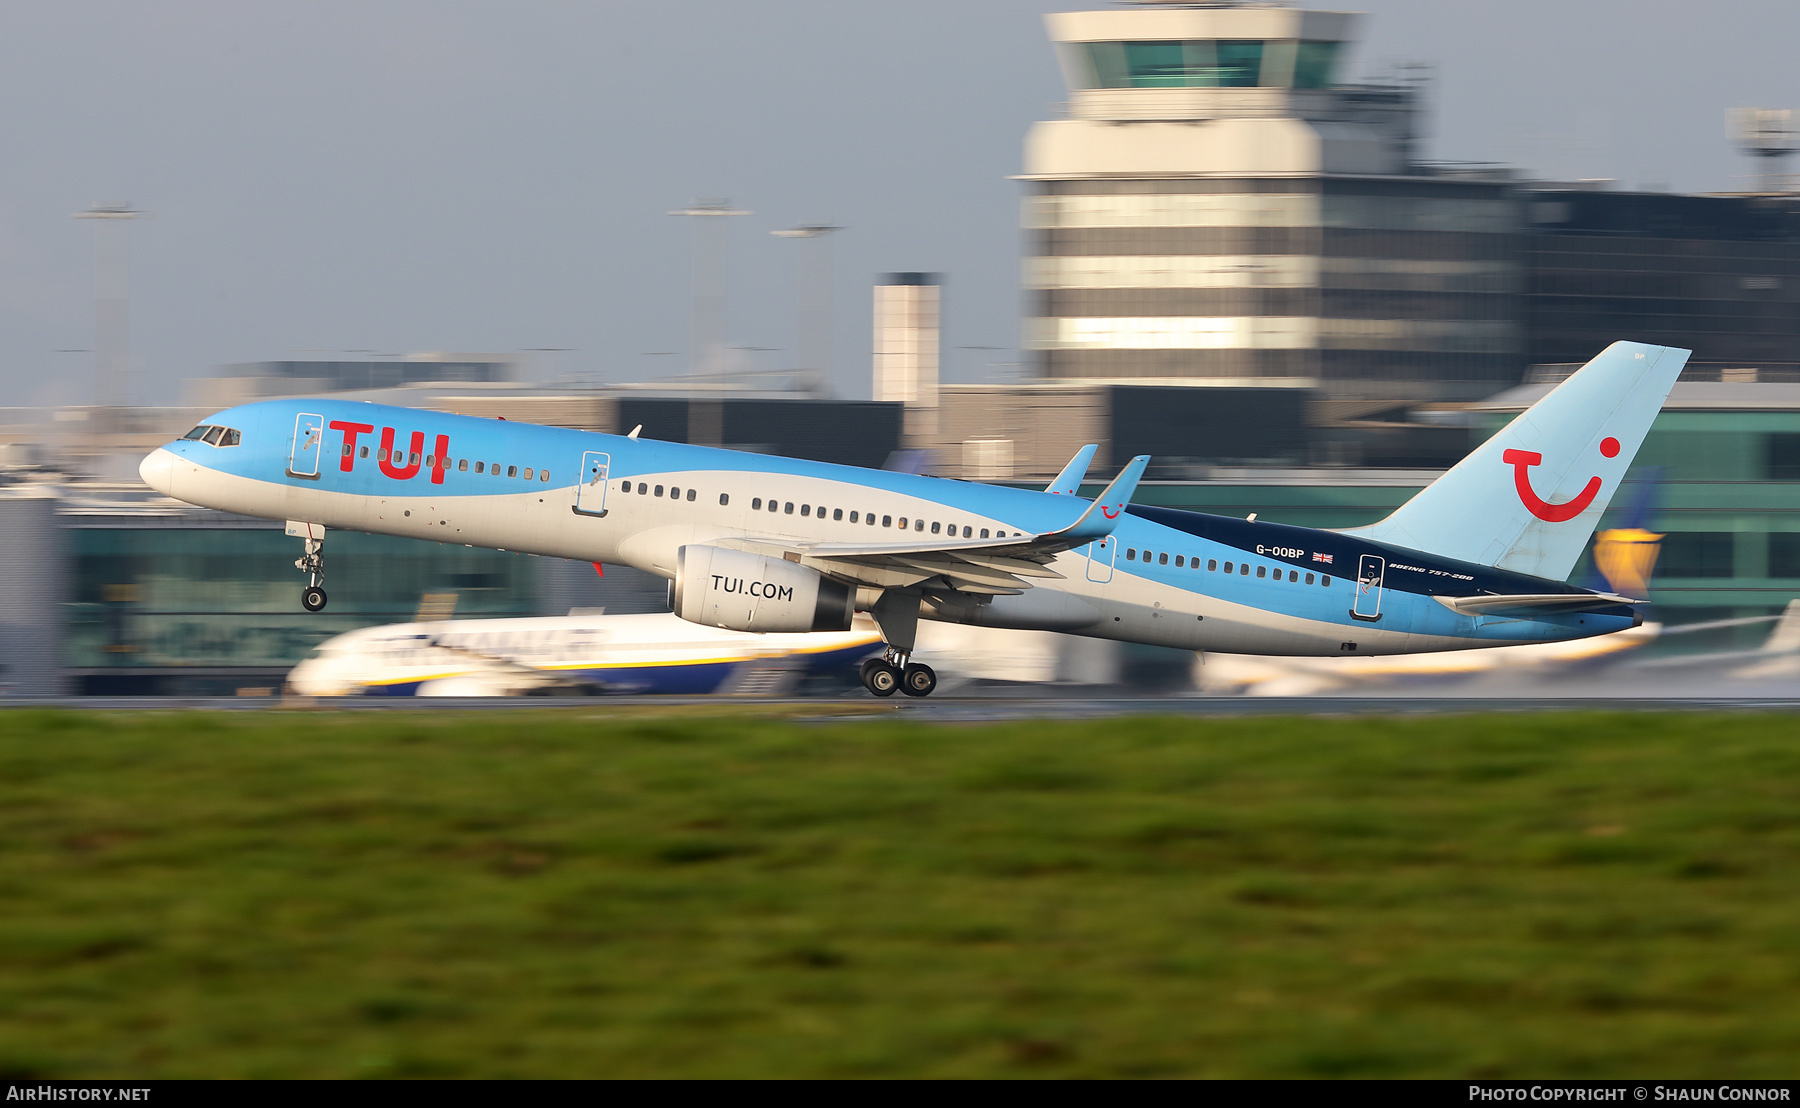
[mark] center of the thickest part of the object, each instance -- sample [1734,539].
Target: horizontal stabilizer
[1535,602]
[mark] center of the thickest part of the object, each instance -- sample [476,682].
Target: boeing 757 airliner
[758,543]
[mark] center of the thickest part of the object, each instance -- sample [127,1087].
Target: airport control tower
[1219,204]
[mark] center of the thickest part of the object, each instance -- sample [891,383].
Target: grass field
[570,893]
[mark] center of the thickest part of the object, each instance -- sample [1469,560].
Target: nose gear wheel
[312,563]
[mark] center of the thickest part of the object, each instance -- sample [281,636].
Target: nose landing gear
[312,563]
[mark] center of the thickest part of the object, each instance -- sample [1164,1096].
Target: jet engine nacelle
[716,587]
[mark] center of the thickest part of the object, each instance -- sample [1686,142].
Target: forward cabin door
[309,443]
[1101,554]
[1369,572]
[590,495]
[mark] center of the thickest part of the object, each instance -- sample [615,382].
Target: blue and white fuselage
[1477,559]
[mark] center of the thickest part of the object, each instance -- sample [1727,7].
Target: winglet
[1103,514]
[1068,482]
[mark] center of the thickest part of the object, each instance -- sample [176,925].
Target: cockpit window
[214,435]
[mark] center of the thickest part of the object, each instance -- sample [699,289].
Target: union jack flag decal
[1326,558]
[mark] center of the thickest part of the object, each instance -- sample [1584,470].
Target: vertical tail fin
[1528,499]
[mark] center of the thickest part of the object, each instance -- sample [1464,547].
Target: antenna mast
[1768,135]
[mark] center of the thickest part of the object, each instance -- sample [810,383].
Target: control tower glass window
[1313,64]
[1239,65]
[1196,63]
[1157,65]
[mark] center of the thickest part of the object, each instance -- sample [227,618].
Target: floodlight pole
[111,315]
[814,345]
[710,242]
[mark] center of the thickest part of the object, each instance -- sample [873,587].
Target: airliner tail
[1528,499]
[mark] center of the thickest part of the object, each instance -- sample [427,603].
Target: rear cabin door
[1368,588]
[309,443]
[1101,553]
[590,495]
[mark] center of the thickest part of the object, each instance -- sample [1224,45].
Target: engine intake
[716,587]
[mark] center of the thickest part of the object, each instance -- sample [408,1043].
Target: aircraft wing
[999,565]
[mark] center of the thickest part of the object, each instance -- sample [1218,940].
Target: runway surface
[954,708]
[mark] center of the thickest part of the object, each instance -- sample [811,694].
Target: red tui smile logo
[1523,460]
[1109,513]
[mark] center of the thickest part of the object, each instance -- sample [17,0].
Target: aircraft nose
[158,471]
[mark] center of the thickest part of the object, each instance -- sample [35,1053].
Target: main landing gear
[312,563]
[892,673]
[897,614]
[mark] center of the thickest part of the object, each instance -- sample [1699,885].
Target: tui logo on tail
[1523,460]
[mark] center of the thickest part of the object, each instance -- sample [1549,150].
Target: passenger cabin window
[513,471]
[838,513]
[543,475]
[854,517]
[1228,567]
[806,509]
[1212,565]
[1131,554]
[774,506]
[658,492]
[1326,581]
[674,493]
[1178,562]
[756,504]
[364,453]
[462,466]
[1262,571]
[788,509]
[1309,578]
[887,521]
[1162,559]
[690,493]
[984,532]
[968,532]
[481,467]
[724,499]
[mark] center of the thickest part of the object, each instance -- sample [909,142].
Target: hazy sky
[391,176]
